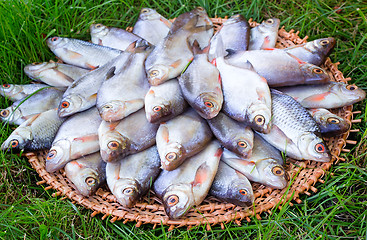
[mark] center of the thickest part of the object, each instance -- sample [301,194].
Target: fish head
[313,147]
[329,122]
[272,173]
[313,73]
[70,105]
[98,30]
[84,178]
[158,74]
[177,200]
[56,42]
[113,146]
[172,156]
[127,191]
[148,14]
[234,19]
[321,46]
[240,192]
[352,92]
[208,104]
[35,69]
[259,117]
[269,25]
[18,139]
[10,114]
[242,145]
[58,155]
[117,110]
[10,89]
[158,112]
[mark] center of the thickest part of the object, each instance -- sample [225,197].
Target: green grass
[337,211]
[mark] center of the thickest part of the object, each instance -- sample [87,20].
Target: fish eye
[172,200]
[277,171]
[243,192]
[4,113]
[154,73]
[242,144]
[144,10]
[14,143]
[351,87]
[317,70]
[157,109]
[128,191]
[113,145]
[320,148]
[269,21]
[90,181]
[333,120]
[209,104]
[6,85]
[51,154]
[171,156]
[259,120]
[98,25]
[324,42]
[54,39]
[65,104]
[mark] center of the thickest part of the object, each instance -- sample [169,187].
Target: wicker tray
[304,175]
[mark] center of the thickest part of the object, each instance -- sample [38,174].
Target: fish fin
[266,43]
[31,118]
[190,26]
[72,54]
[87,138]
[219,152]
[165,133]
[268,49]
[202,174]
[214,62]
[134,104]
[298,60]
[166,22]
[197,50]
[317,97]
[93,97]
[64,76]
[110,73]
[112,125]
[100,42]
[151,92]
[175,64]
[230,52]
[76,163]
[239,174]
[91,66]
[132,46]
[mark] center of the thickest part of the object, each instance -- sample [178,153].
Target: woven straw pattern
[304,175]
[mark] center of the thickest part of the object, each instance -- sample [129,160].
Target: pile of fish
[175,107]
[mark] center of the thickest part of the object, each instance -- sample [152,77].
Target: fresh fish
[76,137]
[330,95]
[330,124]
[202,37]
[80,53]
[54,74]
[123,93]
[201,85]
[173,54]
[246,95]
[127,136]
[314,52]
[180,138]
[233,135]
[294,131]
[150,19]
[232,186]
[164,102]
[268,62]
[17,92]
[130,178]
[188,185]
[265,165]
[264,35]
[36,133]
[82,94]
[87,173]
[112,37]
[235,34]
[41,101]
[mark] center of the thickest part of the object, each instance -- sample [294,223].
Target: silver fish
[81,53]
[150,19]
[188,185]
[180,138]
[314,52]
[265,165]
[112,37]
[54,74]
[330,124]
[87,173]
[233,135]
[130,178]
[201,85]
[264,35]
[73,141]
[232,186]
[17,92]
[164,102]
[36,133]
[127,136]
[41,101]
[330,95]
[294,131]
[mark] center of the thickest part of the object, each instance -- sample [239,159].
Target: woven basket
[304,175]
